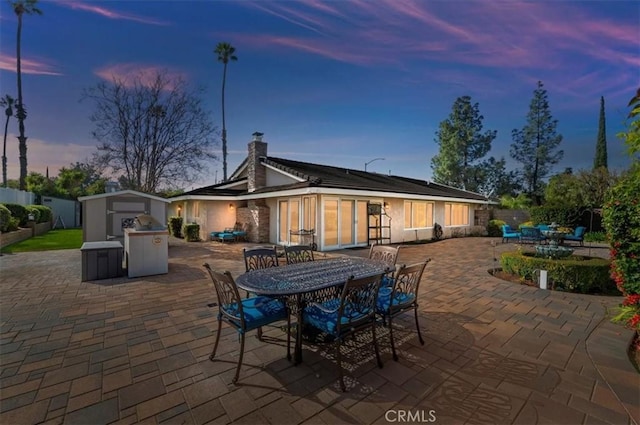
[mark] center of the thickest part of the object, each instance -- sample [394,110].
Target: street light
[374,159]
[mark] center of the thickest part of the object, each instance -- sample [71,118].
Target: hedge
[175,226]
[576,273]
[35,212]
[191,232]
[567,216]
[5,219]
[18,212]
[46,213]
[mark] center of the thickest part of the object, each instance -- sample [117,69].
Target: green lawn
[52,240]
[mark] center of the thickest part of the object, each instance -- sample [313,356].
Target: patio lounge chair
[577,236]
[244,314]
[352,312]
[402,296]
[508,233]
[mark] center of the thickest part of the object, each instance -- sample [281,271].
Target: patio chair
[531,235]
[387,254]
[402,296]
[577,235]
[260,258]
[508,233]
[298,253]
[244,314]
[352,312]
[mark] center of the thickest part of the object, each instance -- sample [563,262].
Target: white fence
[15,196]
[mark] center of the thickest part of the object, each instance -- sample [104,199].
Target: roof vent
[257,136]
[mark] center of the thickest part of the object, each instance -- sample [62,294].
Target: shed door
[121,213]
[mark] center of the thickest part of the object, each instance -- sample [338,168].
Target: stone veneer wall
[256,217]
[24,233]
[256,173]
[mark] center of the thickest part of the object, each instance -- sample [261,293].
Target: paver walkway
[136,350]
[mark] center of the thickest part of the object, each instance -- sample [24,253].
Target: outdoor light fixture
[369,162]
[230,206]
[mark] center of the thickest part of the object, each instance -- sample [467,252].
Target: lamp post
[369,162]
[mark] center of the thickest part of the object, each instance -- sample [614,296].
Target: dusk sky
[333,82]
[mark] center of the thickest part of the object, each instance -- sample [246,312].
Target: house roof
[344,178]
[311,175]
[121,193]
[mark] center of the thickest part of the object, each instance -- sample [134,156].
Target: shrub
[175,226]
[5,219]
[191,232]
[621,218]
[18,212]
[495,227]
[573,274]
[567,216]
[46,214]
[595,237]
[33,212]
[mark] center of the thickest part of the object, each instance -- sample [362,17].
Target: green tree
[20,8]
[585,189]
[6,102]
[493,179]
[536,144]
[225,52]
[600,159]
[462,146]
[40,185]
[154,134]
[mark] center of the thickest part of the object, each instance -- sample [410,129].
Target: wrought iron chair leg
[393,345]
[289,336]
[339,359]
[260,333]
[418,327]
[235,379]
[215,345]
[375,342]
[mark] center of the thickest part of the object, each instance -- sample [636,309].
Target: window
[456,215]
[418,214]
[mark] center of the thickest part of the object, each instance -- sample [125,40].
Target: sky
[333,82]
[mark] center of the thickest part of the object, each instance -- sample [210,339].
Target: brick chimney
[256,173]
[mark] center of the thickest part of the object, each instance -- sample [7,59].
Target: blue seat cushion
[399,299]
[326,321]
[386,281]
[226,236]
[573,238]
[258,311]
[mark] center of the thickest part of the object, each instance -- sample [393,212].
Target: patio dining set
[333,297]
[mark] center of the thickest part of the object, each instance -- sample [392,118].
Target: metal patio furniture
[352,312]
[311,281]
[244,314]
[400,297]
[298,253]
[386,254]
[260,258]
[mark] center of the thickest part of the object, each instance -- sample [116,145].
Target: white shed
[106,215]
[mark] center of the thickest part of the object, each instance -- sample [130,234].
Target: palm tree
[6,102]
[21,7]
[225,52]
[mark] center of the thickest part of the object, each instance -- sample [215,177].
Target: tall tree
[462,146]
[21,7]
[225,52]
[536,145]
[153,135]
[600,159]
[6,102]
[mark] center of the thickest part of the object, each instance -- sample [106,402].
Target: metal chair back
[260,258]
[385,253]
[298,254]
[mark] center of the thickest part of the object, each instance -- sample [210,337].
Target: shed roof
[123,192]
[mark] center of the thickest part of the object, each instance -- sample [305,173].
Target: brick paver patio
[136,350]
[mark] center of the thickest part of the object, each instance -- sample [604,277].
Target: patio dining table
[309,281]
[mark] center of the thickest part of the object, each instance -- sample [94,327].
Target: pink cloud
[109,13]
[28,66]
[131,73]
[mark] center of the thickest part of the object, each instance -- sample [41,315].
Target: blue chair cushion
[386,281]
[258,311]
[400,298]
[225,236]
[326,321]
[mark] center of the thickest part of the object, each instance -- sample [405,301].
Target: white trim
[123,192]
[240,169]
[332,192]
[230,185]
